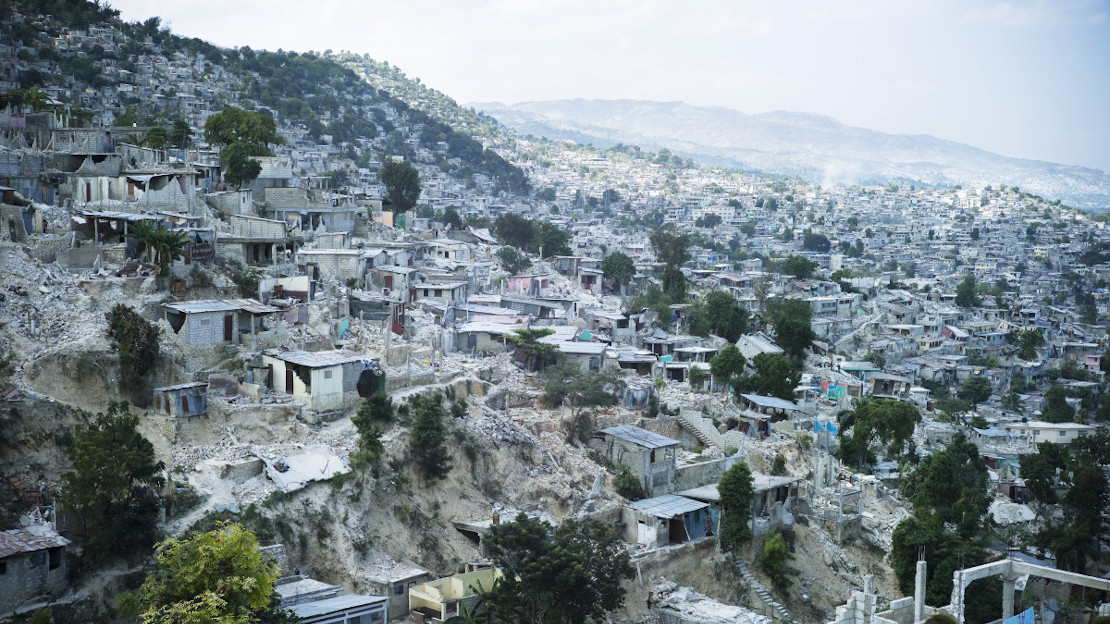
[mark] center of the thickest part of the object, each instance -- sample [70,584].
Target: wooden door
[288,381]
[229,327]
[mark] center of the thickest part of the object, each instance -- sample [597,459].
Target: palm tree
[143,232]
[168,245]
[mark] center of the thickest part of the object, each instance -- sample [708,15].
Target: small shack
[204,322]
[187,399]
[320,378]
[349,609]
[393,579]
[650,456]
[666,519]
[32,565]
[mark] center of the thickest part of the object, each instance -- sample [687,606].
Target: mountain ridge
[804,144]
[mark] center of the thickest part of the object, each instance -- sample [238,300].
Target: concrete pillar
[919,592]
[1007,597]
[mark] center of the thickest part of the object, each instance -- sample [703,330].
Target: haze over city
[1023,79]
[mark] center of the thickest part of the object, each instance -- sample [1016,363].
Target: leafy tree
[402,185]
[816,242]
[255,131]
[672,249]
[580,391]
[1029,340]
[567,575]
[708,221]
[1056,408]
[966,294]
[514,230]
[452,218]
[156,138]
[778,465]
[539,354]
[794,327]
[975,390]
[618,267]
[137,342]
[727,365]
[181,134]
[799,267]
[720,314]
[372,414]
[889,421]
[629,485]
[216,576]
[774,561]
[428,437]
[111,487]
[239,167]
[512,260]
[951,486]
[772,375]
[168,246]
[944,551]
[697,377]
[549,240]
[736,491]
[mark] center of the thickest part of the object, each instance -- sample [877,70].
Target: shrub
[628,485]
[773,561]
[137,341]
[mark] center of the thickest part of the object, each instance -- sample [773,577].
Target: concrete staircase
[778,612]
[702,428]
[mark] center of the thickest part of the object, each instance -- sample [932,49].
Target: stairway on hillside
[778,611]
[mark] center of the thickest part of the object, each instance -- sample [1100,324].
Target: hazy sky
[1022,78]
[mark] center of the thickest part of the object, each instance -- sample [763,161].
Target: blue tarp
[1025,617]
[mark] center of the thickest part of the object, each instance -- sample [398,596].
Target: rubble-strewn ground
[508,452]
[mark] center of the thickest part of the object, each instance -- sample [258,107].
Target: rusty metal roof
[30,539]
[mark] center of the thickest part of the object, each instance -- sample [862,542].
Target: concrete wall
[231,203]
[203,328]
[28,576]
[704,473]
[342,266]
[257,227]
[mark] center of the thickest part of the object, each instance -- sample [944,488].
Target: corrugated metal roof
[183,386]
[332,605]
[318,358]
[30,539]
[204,305]
[641,437]
[667,505]
[774,402]
[253,306]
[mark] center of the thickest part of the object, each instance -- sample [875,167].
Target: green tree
[239,167]
[628,484]
[816,242]
[156,138]
[618,267]
[719,314]
[514,230]
[794,327]
[672,249]
[452,218]
[512,260]
[539,354]
[951,486]
[369,420]
[168,247]
[1056,408]
[735,490]
[799,266]
[697,377]
[966,294]
[975,390]
[567,575]
[111,489]
[1029,340]
[428,437]
[181,134]
[216,576]
[137,343]
[772,375]
[727,365]
[402,185]
[580,391]
[774,561]
[889,421]
[549,240]
[255,131]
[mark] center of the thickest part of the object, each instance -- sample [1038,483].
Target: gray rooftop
[641,437]
[774,402]
[331,605]
[667,506]
[205,305]
[318,358]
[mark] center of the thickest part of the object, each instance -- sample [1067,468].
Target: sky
[1022,78]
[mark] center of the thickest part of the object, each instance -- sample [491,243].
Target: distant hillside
[125,73]
[799,144]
